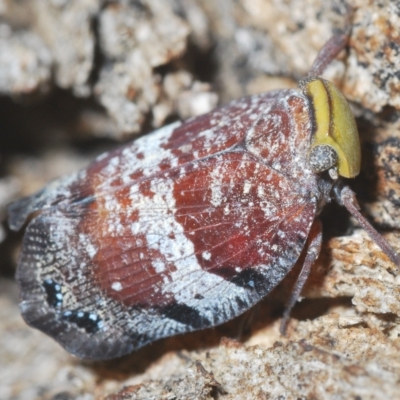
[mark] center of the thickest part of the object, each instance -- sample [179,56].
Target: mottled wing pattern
[183,229]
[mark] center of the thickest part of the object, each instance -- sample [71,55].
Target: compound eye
[322,157]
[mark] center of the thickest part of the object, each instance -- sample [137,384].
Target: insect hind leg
[312,248]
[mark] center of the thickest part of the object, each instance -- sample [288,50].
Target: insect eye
[322,157]
[335,127]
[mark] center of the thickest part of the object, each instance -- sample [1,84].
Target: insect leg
[313,248]
[328,53]
[348,199]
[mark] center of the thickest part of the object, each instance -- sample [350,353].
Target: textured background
[77,77]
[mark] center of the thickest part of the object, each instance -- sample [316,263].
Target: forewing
[190,251]
[124,254]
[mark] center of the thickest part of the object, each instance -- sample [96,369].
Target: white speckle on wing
[246,187]
[86,243]
[116,286]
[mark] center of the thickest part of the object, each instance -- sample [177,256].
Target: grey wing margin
[53,194]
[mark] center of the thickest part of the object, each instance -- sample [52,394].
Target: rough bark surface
[73,73]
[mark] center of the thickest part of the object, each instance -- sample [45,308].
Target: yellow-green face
[335,126]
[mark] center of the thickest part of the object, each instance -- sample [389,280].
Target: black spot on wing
[53,292]
[248,278]
[90,322]
[185,315]
[252,280]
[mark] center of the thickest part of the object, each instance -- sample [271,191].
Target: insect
[189,226]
